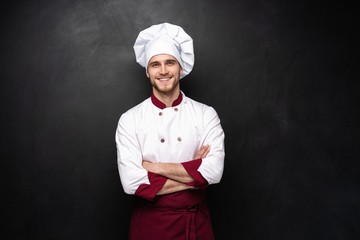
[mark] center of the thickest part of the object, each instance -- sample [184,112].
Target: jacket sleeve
[192,168]
[134,178]
[149,191]
[212,167]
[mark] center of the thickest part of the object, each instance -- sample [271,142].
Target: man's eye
[154,65]
[171,63]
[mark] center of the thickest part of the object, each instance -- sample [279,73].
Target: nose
[163,69]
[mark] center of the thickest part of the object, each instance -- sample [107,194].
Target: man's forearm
[174,171]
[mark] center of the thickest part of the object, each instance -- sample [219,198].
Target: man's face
[164,73]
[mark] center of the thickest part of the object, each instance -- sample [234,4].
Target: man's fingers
[207,150]
[203,151]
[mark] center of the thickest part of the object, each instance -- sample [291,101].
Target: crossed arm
[177,176]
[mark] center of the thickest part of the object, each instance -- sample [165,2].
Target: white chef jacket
[172,134]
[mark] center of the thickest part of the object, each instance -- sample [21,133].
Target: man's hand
[203,152]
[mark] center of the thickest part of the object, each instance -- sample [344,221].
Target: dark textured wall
[283,76]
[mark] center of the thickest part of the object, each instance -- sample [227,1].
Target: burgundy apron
[178,216]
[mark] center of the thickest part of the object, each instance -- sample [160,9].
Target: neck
[167,98]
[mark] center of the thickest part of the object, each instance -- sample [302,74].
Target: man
[170,148]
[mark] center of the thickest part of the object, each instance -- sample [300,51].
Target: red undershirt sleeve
[149,191]
[192,168]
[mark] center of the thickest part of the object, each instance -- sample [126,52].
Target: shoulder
[132,113]
[199,106]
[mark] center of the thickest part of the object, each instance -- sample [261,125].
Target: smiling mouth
[164,79]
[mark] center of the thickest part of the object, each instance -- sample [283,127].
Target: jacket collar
[162,105]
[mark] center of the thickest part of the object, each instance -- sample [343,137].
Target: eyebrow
[167,60]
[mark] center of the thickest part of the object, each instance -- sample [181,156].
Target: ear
[147,71]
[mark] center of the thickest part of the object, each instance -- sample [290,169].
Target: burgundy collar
[162,105]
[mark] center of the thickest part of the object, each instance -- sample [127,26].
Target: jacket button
[162,140]
[160,113]
[179,139]
[176,109]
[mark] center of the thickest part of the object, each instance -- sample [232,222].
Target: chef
[170,148]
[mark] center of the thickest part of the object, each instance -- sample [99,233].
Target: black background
[282,75]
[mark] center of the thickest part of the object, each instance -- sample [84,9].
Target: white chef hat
[165,38]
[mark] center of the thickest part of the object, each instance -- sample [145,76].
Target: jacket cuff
[149,191]
[192,168]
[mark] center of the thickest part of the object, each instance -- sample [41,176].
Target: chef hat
[165,38]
